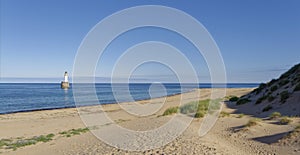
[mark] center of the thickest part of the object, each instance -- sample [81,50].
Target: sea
[22,97]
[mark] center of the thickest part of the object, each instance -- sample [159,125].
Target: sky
[258,40]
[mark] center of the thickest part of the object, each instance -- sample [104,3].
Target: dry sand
[228,136]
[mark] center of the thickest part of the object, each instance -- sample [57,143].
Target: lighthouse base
[64,85]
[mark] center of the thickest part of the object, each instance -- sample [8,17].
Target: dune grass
[285,120]
[297,127]
[253,122]
[171,111]
[297,87]
[283,82]
[267,108]
[275,115]
[200,108]
[224,114]
[261,99]
[274,88]
[260,88]
[233,98]
[72,132]
[242,101]
[197,108]
[284,96]
[271,98]
[14,144]
[240,115]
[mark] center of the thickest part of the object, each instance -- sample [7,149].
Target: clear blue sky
[258,40]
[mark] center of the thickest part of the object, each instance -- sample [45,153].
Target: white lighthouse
[66,77]
[65,84]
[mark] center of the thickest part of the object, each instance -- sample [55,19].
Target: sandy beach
[228,136]
[149,77]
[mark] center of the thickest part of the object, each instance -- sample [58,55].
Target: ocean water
[19,97]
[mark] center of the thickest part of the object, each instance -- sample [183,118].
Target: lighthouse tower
[65,84]
[66,77]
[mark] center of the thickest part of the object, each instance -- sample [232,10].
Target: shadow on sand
[246,109]
[271,138]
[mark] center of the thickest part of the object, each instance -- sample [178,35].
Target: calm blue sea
[19,97]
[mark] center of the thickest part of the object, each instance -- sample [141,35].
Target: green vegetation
[291,71]
[215,104]
[71,132]
[253,122]
[4,142]
[240,115]
[43,138]
[192,107]
[297,127]
[296,80]
[283,82]
[233,99]
[199,114]
[260,88]
[271,82]
[274,88]
[224,114]
[297,88]
[259,100]
[284,96]
[271,98]
[267,108]
[285,120]
[170,111]
[275,115]
[242,101]
[286,80]
[200,108]
[19,142]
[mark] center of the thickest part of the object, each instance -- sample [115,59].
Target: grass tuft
[285,120]
[233,99]
[297,127]
[72,132]
[224,114]
[21,142]
[297,88]
[242,101]
[275,115]
[267,108]
[260,88]
[170,111]
[259,100]
[240,115]
[199,114]
[283,82]
[274,88]
[284,96]
[253,122]
[271,98]
[200,108]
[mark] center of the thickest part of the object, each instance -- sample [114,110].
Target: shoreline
[114,103]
